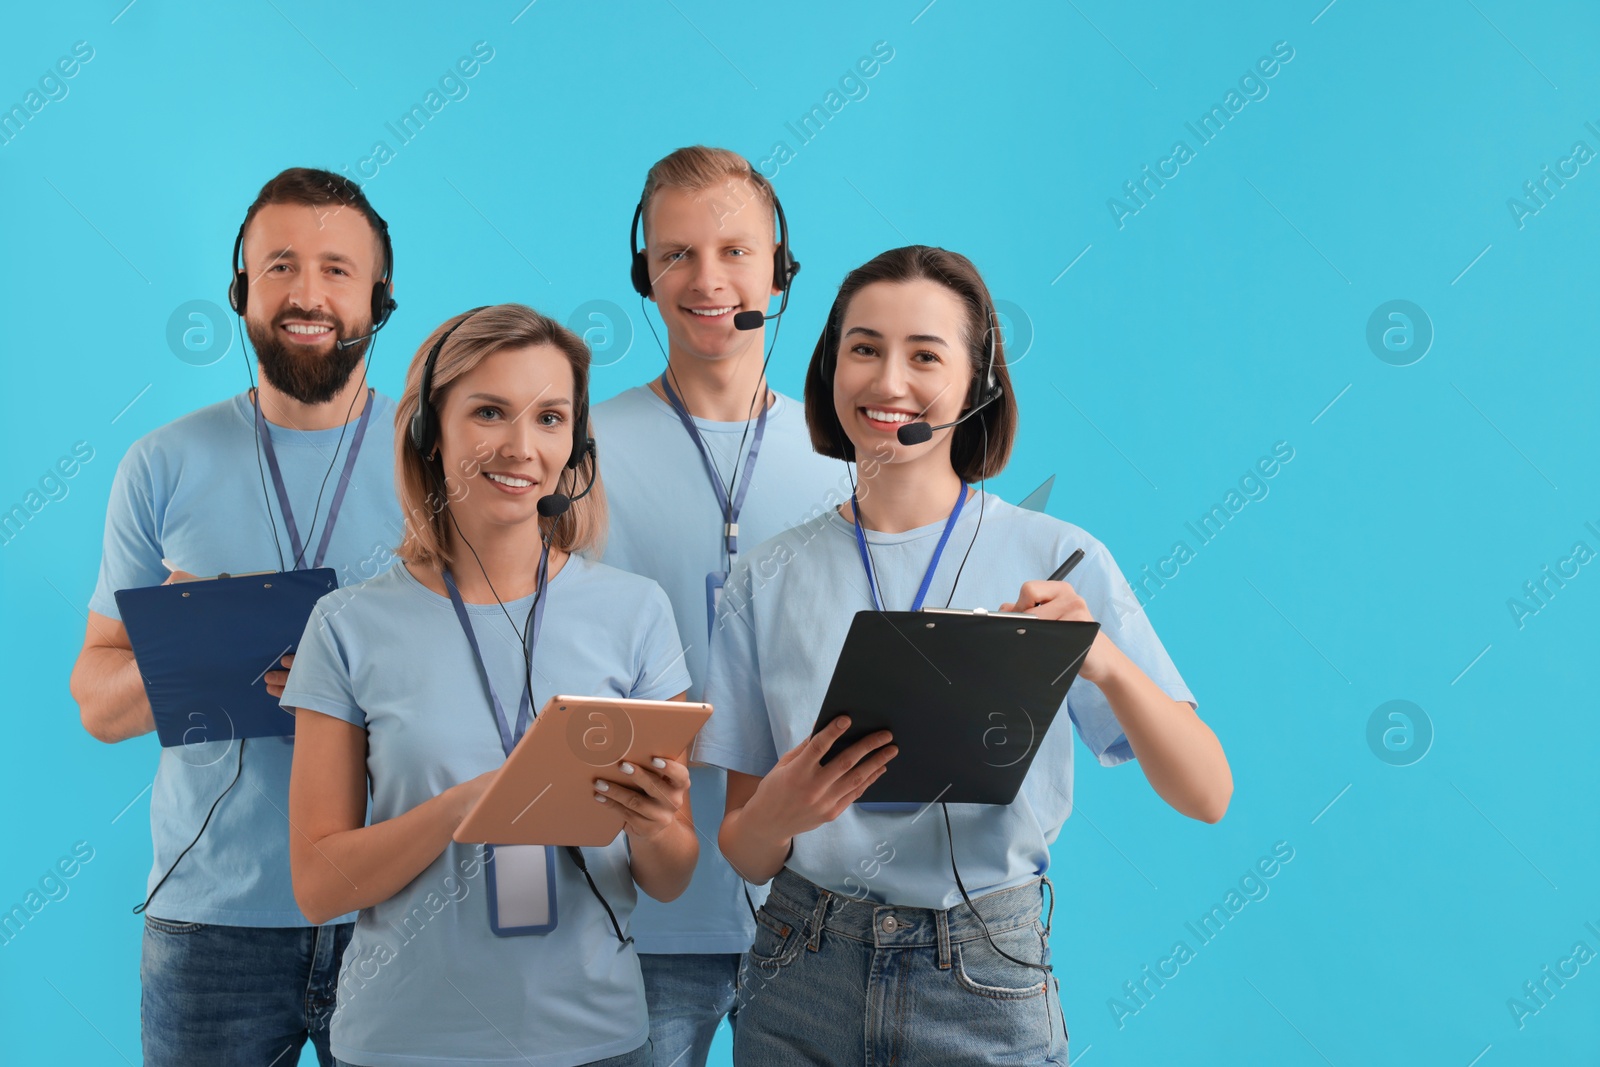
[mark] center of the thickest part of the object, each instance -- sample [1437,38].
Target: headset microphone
[352,342]
[554,505]
[754,320]
[919,432]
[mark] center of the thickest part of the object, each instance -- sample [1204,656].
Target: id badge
[522,889]
[714,583]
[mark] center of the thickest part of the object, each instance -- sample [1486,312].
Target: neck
[897,497]
[720,390]
[281,409]
[509,557]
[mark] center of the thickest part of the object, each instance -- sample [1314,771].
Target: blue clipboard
[203,648]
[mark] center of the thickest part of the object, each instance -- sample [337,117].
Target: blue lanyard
[730,510]
[508,737]
[265,436]
[933,564]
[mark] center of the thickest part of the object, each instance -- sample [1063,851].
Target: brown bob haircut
[979,447]
[420,482]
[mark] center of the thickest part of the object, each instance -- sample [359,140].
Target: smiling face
[710,257]
[505,433]
[311,271]
[902,357]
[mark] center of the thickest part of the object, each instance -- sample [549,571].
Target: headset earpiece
[239,288]
[424,428]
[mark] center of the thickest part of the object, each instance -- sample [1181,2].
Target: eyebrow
[924,338]
[287,253]
[493,399]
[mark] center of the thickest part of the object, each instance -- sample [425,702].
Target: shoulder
[597,579]
[393,594]
[202,428]
[627,403]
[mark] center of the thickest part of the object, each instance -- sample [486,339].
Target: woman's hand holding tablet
[662,792]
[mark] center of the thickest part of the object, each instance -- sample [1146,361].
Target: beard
[309,376]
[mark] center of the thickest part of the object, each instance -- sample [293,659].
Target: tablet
[968,696]
[544,792]
[204,647]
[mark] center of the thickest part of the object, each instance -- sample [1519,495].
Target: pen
[1067,565]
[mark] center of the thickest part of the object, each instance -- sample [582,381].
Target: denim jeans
[688,995]
[216,996]
[639,1057]
[833,980]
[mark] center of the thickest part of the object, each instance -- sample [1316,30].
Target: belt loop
[1051,914]
[941,922]
[817,915]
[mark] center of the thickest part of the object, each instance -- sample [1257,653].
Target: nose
[306,291]
[520,435]
[710,275]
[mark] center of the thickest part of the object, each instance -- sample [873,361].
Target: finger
[824,738]
[846,760]
[1008,607]
[652,783]
[868,771]
[843,803]
[288,661]
[673,771]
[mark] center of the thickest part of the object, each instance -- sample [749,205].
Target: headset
[985,388]
[383,305]
[424,429]
[784,265]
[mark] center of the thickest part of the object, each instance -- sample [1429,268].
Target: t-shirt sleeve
[319,678]
[660,673]
[131,555]
[738,736]
[1113,604]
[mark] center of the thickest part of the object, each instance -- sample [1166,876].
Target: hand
[180,576]
[1058,600]
[801,793]
[649,798]
[465,794]
[276,680]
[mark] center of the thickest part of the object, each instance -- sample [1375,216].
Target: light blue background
[1227,315]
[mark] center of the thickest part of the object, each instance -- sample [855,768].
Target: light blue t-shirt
[190,492]
[425,981]
[783,621]
[666,524]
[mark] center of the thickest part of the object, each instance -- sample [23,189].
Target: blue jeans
[639,1057]
[833,980]
[688,995]
[246,995]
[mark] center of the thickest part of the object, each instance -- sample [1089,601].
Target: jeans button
[889,924]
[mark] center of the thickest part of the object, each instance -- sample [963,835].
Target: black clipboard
[204,646]
[969,698]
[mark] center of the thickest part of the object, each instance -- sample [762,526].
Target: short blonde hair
[698,168]
[474,336]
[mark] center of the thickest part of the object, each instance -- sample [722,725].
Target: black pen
[1066,567]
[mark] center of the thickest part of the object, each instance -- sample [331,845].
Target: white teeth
[710,312]
[506,479]
[888,416]
[296,328]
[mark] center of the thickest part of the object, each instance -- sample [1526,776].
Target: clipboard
[968,696]
[204,646]
[544,792]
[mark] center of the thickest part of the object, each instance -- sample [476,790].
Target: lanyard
[508,737]
[933,564]
[730,510]
[338,493]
